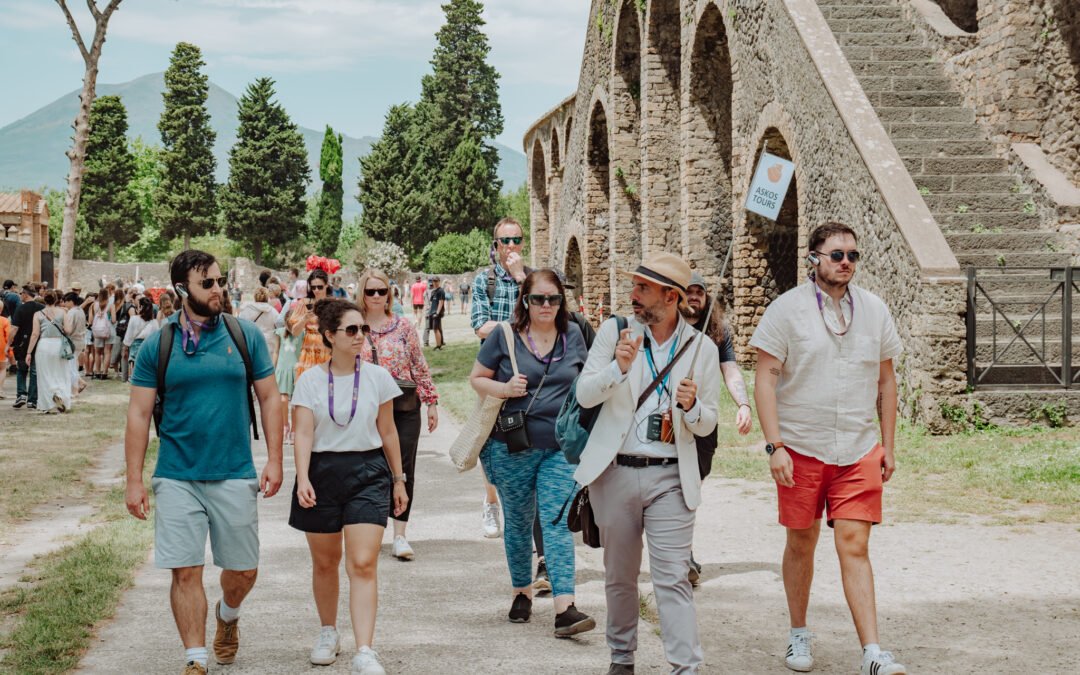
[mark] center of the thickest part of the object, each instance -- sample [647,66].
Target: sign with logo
[770,184]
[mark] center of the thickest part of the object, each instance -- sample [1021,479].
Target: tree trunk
[112,251]
[187,241]
[258,252]
[77,153]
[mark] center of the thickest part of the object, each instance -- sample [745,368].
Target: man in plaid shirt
[509,271]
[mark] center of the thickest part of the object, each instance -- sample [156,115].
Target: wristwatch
[770,448]
[402,478]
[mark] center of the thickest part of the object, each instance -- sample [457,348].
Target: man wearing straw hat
[640,462]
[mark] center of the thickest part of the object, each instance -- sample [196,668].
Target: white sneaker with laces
[327,646]
[800,655]
[402,550]
[366,662]
[492,529]
[882,664]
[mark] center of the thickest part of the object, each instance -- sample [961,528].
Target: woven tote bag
[466,448]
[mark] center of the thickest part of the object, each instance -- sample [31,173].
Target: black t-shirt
[437,295]
[24,320]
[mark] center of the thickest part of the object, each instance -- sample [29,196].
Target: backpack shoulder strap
[236,332]
[490,286]
[164,352]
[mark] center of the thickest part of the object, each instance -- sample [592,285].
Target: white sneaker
[327,646]
[800,656]
[366,662]
[402,550]
[882,664]
[492,529]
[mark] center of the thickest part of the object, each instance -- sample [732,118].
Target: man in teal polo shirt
[205,480]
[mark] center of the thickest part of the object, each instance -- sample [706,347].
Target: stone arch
[625,144]
[555,150]
[964,13]
[596,282]
[1067,16]
[540,205]
[660,148]
[707,150]
[569,128]
[572,267]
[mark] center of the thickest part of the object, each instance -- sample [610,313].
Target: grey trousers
[628,502]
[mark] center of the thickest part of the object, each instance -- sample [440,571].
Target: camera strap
[663,373]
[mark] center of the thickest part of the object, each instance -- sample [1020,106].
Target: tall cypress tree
[328,217]
[263,202]
[185,201]
[109,203]
[459,103]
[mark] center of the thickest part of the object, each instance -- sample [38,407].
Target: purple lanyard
[355,392]
[550,357]
[821,307]
[188,335]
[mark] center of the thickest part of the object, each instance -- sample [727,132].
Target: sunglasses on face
[506,241]
[207,284]
[538,300]
[837,256]
[320,287]
[372,292]
[351,331]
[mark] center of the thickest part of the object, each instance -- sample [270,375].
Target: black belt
[642,462]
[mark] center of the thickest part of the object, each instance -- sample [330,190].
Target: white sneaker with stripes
[800,655]
[883,663]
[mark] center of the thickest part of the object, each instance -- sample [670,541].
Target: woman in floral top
[398,351]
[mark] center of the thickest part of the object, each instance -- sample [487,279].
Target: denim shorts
[187,510]
[350,488]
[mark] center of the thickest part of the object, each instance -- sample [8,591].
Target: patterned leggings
[525,480]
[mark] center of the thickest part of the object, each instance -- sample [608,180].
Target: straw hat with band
[665,269]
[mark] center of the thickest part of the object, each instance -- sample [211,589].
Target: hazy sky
[337,62]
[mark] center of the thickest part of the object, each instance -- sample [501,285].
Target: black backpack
[122,320]
[232,324]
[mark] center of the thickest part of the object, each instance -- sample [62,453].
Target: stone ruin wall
[743,77]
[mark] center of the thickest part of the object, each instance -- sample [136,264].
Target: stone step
[1022,381]
[984,326]
[1008,404]
[933,115]
[902,68]
[1010,286]
[901,53]
[897,83]
[892,38]
[931,131]
[993,242]
[988,223]
[1020,353]
[846,10]
[944,166]
[946,184]
[976,202]
[914,99]
[1012,259]
[938,148]
[892,25]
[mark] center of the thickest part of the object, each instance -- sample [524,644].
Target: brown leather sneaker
[194,668]
[226,638]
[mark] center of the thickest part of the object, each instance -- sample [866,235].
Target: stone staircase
[987,214]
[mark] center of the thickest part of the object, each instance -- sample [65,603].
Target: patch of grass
[72,590]
[450,368]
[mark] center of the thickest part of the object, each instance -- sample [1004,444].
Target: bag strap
[547,367]
[511,349]
[236,332]
[164,352]
[374,350]
[663,373]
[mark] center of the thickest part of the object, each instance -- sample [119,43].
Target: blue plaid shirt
[499,308]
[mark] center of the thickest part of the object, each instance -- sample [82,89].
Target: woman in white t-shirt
[348,462]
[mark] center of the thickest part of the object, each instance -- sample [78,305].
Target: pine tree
[464,187]
[109,203]
[185,201]
[263,203]
[327,226]
[460,100]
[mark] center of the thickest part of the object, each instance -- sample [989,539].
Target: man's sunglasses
[207,284]
[317,288]
[372,292]
[538,300]
[352,330]
[506,241]
[837,256]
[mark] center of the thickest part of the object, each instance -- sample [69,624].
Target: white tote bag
[466,448]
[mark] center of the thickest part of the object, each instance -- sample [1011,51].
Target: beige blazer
[598,385]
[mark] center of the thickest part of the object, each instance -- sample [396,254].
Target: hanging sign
[770,184]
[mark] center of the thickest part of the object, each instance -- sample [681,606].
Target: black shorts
[416,306]
[350,488]
[434,322]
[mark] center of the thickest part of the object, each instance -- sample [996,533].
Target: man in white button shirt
[825,356]
[641,460]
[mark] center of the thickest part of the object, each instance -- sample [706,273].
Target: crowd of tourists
[605,425]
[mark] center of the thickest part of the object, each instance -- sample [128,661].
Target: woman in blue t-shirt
[521,458]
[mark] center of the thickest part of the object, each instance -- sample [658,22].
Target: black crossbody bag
[512,424]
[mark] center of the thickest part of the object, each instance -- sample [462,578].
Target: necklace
[551,356]
[355,392]
[188,334]
[388,326]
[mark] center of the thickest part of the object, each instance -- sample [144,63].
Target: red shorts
[848,492]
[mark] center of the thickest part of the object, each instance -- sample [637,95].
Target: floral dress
[314,352]
[400,353]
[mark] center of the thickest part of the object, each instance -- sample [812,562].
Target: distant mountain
[32,149]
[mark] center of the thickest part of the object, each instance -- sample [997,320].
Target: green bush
[457,253]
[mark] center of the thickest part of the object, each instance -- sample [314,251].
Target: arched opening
[964,13]
[554,149]
[767,263]
[572,269]
[625,147]
[539,206]
[597,275]
[707,151]
[1067,17]
[569,128]
[660,145]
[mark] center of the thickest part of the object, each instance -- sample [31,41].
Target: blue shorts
[186,511]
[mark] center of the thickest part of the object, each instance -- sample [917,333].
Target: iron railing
[1027,344]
